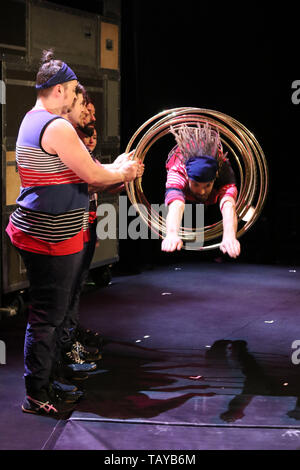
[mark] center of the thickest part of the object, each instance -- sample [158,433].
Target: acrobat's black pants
[53,282]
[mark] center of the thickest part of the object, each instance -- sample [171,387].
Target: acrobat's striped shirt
[177,185]
[52,213]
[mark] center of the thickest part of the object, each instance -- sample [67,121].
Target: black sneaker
[92,350]
[70,397]
[60,384]
[70,374]
[77,358]
[89,337]
[86,353]
[64,396]
[84,367]
[41,403]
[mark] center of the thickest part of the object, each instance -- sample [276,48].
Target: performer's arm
[105,187]
[172,241]
[229,243]
[121,159]
[61,138]
[118,187]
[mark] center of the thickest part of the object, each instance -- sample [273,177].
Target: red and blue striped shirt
[52,213]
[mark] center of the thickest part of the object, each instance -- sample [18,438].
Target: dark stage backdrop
[237,58]
[240,61]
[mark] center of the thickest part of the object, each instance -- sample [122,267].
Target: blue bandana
[64,74]
[202,169]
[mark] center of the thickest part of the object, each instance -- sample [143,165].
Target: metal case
[90,45]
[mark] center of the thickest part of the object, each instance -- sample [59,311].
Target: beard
[201,199]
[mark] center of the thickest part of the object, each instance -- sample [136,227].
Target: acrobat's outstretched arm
[229,243]
[172,241]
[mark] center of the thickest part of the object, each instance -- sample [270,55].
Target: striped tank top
[52,213]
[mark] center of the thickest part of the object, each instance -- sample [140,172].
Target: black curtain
[238,61]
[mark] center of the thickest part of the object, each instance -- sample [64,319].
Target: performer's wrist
[121,176]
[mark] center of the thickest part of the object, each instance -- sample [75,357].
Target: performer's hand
[129,170]
[172,242]
[231,246]
[140,170]
[123,158]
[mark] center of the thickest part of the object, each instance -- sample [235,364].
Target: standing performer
[77,339]
[47,227]
[199,172]
[74,351]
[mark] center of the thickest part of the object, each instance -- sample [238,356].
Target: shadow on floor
[139,383]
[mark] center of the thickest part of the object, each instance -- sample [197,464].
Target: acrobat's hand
[231,246]
[172,242]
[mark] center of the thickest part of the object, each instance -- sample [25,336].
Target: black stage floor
[199,357]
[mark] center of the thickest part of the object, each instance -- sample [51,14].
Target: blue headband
[64,74]
[202,169]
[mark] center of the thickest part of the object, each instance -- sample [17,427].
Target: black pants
[53,283]
[72,318]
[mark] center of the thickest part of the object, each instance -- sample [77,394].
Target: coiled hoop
[241,145]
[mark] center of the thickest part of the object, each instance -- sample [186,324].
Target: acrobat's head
[201,152]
